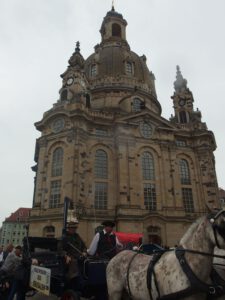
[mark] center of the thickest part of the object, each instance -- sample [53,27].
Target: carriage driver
[74,247]
[105,243]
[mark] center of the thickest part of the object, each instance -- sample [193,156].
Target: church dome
[116,61]
[113,76]
[113,65]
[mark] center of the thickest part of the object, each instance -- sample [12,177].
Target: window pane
[184,172]
[188,200]
[57,162]
[148,169]
[129,68]
[101,191]
[180,143]
[136,104]
[101,132]
[101,164]
[146,130]
[55,194]
[93,70]
[150,196]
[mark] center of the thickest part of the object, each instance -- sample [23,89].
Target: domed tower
[105,145]
[119,78]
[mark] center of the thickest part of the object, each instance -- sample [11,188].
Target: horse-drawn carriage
[50,276]
[180,273]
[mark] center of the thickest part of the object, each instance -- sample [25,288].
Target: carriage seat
[94,271]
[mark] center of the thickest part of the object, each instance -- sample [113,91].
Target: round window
[146,130]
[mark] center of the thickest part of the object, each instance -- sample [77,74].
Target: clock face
[182,102]
[58,125]
[69,80]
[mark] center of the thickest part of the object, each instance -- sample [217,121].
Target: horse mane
[191,230]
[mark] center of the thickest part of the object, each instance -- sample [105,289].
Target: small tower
[113,29]
[183,102]
[74,83]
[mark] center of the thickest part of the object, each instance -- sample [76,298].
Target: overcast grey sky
[37,37]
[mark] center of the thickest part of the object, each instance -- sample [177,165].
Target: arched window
[137,105]
[49,231]
[129,68]
[57,162]
[148,169]
[101,164]
[116,30]
[93,71]
[183,117]
[184,172]
[64,94]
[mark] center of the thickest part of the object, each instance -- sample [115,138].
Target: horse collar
[196,284]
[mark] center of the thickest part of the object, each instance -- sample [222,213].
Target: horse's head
[217,221]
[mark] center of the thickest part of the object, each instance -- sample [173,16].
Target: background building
[14,227]
[105,145]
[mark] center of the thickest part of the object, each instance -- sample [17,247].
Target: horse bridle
[217,229]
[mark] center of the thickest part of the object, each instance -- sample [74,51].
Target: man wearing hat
[74,247]
[105,243]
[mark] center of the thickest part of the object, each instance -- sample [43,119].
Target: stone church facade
[105,145]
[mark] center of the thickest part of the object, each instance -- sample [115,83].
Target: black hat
[108,223]
[18,247]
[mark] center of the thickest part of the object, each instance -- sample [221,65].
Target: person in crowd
[105,243]
[9,267]
[73,247]
[8,250]
[1,256]
[17,268]
[11,262]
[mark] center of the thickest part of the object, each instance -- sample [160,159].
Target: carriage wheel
[70,295]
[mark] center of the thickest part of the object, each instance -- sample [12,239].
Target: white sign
[40,279]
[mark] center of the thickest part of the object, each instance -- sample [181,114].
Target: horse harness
[213,291]
[196,285]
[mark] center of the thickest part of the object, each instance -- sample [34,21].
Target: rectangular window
[180,143]
[101,132]
[101,195]
[55,194]
[150,196]
[188,199]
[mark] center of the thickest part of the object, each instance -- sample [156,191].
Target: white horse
[127,272]
[219,267]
